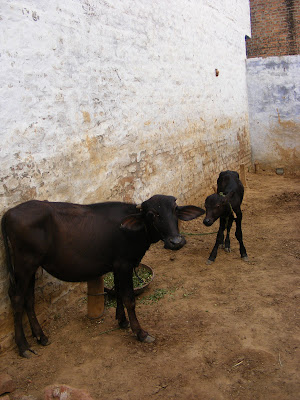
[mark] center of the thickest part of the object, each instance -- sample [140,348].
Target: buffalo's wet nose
[176,239]
[207,221]
[175,242]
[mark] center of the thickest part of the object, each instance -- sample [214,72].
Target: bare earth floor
[229,330]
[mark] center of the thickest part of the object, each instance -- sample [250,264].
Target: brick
[269,19]
[7,384]
[62,392]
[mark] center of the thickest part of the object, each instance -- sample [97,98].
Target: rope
[96,294]
[109,330]
[197,234]
[232,212]
[223,195]
[139,278]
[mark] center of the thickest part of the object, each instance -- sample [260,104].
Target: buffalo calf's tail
[7,251]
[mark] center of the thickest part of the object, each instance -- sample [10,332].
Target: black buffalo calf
[224,204]
[78,243]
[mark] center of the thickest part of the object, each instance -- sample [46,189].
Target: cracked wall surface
[118,100]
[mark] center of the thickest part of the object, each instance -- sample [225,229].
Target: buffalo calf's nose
[207,221]
[176,240]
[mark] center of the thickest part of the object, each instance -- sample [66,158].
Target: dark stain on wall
[291,36]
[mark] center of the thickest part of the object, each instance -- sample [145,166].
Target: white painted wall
[118,99]
[274,111]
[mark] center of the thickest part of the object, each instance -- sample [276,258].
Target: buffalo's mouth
[174,243]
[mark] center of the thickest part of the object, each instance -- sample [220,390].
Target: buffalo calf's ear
[186,213]
[133,222]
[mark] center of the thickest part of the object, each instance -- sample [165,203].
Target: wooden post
[243,174]
[95,294]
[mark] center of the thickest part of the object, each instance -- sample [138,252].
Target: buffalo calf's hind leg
[17,292]
[239,236]
[36,329]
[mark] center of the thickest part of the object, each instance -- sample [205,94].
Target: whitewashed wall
[274,111]
[119,99]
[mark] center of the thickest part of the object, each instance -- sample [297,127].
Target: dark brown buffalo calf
[224,204]
[78,243]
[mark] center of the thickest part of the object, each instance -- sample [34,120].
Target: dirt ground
[229,330]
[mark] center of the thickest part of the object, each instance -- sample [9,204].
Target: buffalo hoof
[209,262]
[124,324]
[44,341]
[28,353]
[245,258]
[227,249]
[149,339]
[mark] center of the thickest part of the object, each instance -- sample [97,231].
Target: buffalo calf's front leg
[127,294]
[219,241]
[120,312]
[228,228]
[142,335]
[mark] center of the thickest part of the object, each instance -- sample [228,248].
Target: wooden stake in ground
[243,175]
[95,295]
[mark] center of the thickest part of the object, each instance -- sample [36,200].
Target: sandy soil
[229,330]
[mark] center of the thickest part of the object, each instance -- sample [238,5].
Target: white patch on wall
[274,110]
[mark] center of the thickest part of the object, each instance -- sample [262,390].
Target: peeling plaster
[106,103]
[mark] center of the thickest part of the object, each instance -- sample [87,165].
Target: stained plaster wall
[105,100]
[274,111]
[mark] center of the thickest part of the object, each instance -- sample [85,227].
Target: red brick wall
[275,26]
